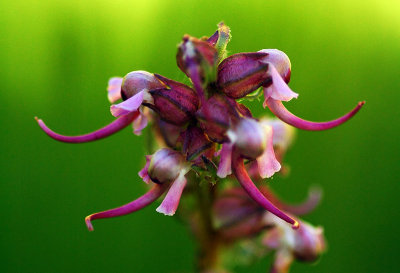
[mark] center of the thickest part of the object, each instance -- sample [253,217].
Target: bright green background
[55,60]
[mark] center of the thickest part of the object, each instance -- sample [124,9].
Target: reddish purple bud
[242,73]
[176,103]
[137,81]
[166,134]
[166,165]
[216,122]
[195,143]
[195,52]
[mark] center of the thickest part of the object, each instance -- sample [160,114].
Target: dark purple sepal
[175,104]
[242,73]
[216,122]
[193,51]
[195,142]
[167,133]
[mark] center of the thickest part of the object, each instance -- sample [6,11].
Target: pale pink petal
[171,200]
[282,262]
[272,239]
[267,162]
[130,105]
[114,89]
[278,90]
[139,124]
[225,162]
[144,172]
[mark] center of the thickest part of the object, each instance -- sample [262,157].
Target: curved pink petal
[267,162]
[130,105]
[278,89]
[305,207]
[143,173]
[114,89]
[110,129]
[283,114]
[248,185]
[139,124]
[225,162]
[171,201]
[153,194]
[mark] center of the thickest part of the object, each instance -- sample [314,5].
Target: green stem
[208,240]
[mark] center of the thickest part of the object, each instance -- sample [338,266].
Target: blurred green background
[55,60]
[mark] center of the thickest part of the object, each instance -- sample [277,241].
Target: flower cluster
[203,128]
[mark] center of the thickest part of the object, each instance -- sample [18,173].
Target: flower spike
[282,113]
[106,131]
[153,194]
[313,199]
[248,185]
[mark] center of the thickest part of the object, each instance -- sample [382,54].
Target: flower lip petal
[130,105]
[224,166]
[143,173]
[267,162]
[114,89]
[171,201]
[277,89]
[139,123]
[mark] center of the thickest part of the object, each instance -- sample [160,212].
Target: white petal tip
[166,213]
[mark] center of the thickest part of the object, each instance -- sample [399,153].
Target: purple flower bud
[166,134]
[175,103]
[249,138]
[166,165]
[242,73]
[195,143]
[216,122]
[195,52]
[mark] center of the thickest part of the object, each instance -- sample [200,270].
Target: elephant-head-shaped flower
[203,127]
